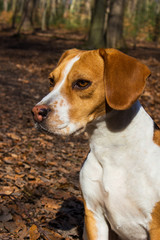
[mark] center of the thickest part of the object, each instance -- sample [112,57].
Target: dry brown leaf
[49,203]
[31,177]
[24,233]
[8,160]
[51,235]
[33,232]
[2,144]
[19,223]
[5,215]
[10,226]
[8,190]
[13,136]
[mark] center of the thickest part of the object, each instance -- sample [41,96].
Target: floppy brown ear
[124,78]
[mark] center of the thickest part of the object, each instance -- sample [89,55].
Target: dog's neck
[120,130]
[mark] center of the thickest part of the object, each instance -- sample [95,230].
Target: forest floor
[40,196]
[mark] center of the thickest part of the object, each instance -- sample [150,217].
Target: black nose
[40,112]
[43,112]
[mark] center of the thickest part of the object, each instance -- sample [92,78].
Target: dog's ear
[66,53]
[124,78]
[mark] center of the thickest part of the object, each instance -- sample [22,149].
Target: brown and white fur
[97,91]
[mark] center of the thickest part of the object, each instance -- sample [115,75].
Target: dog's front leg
[95,226]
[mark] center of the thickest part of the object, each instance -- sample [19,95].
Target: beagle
[97,91]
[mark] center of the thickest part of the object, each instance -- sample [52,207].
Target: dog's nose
[40,112]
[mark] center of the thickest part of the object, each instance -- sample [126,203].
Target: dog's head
[81,85]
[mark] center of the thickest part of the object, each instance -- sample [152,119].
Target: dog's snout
[40,112]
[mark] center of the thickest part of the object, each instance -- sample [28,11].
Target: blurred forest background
[40,196]
[107,23]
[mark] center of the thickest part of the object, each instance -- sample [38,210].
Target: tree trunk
[45,16]
[96,34]
[74,12]
[5,5]
[114,33]
[73,6]
[21,7]
[33,11]
[26,17]
[66,11]
[15,11]
[53,10]
[157,28]
[156,33]
[85,12]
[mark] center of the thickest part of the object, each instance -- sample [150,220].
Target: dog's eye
[52,82]
[81,84]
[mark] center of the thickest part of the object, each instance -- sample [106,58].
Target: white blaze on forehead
[55,92]
[67,70]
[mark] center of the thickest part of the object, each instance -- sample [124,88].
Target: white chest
[118,176]
[110,189]
[122,207]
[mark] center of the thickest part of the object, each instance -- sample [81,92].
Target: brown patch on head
[156,136]
[154,228]
[124,78]
[89,103]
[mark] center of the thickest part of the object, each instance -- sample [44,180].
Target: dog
[98,91]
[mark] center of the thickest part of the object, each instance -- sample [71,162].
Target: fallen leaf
[24,233]
[33,232]
[49,203]
[8,190]
[13,136]
[5,215]
[10,226]
[51,235]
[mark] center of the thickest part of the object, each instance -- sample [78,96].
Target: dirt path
[40,172]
